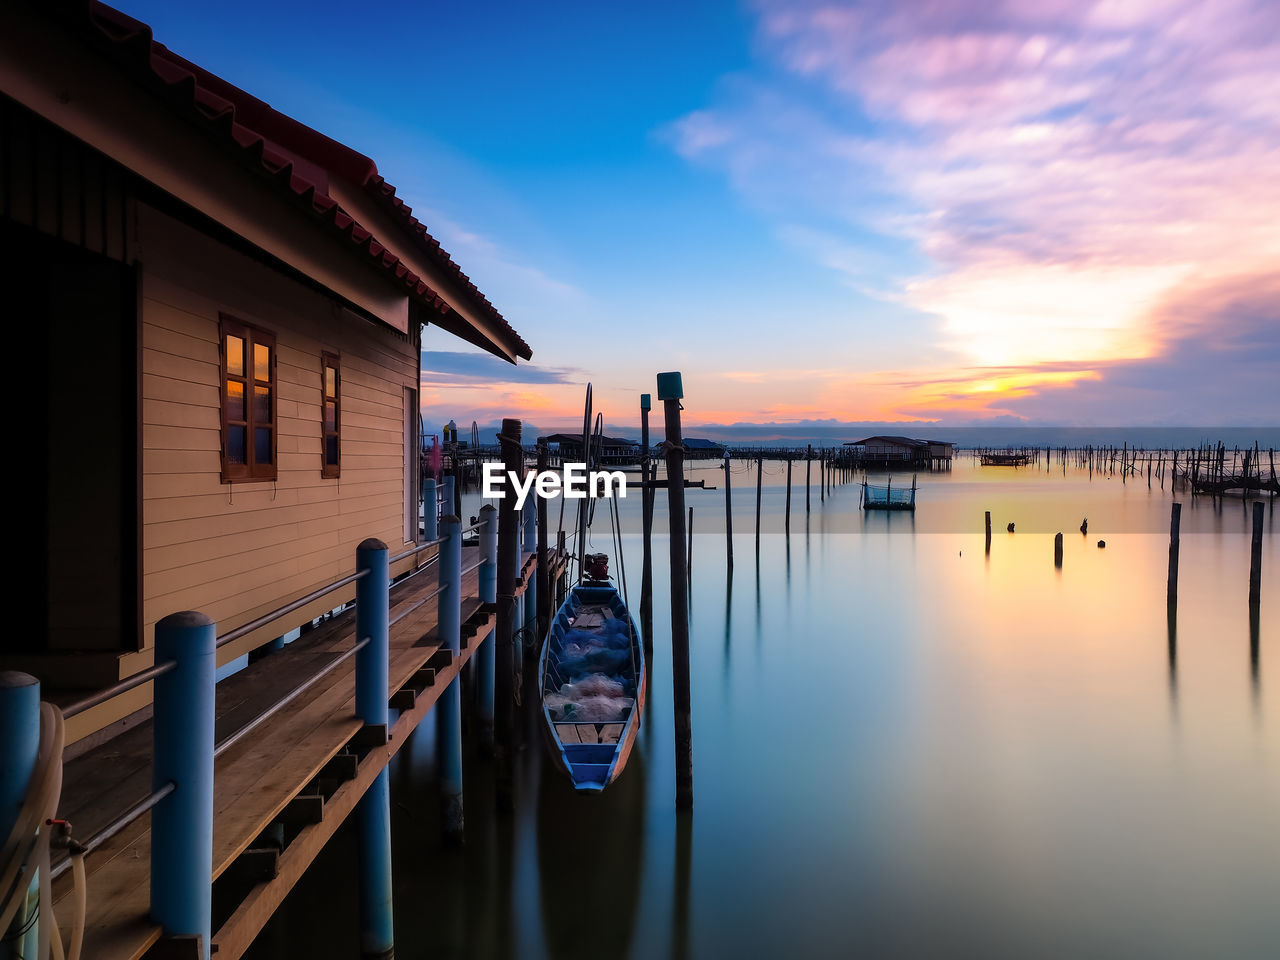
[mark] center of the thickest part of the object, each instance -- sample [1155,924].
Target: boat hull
[586,751]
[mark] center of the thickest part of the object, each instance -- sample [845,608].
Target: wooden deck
[301,773]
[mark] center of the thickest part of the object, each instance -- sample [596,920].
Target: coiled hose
[26,849]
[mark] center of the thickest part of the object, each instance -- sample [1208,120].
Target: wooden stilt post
[822,476]
[1057,543]
[670,391]
[646,515]
[988,531]
[504,646]
[1255,557]
[449,722]
[759,484]
[544,555]
[488,593]
[1175,528]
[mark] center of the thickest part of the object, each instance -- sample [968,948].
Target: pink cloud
[1074,171]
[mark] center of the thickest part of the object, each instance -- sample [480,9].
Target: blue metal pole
[373,813]
[182,823]
[372,616]
[19,745]
[531,591]
[449,725]
[488,594]
[430,509]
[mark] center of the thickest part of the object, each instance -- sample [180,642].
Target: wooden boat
[592,639]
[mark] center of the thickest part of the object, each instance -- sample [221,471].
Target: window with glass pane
[248,401]
[331,415]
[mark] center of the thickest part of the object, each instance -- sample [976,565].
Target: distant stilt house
[220,311]
[567,448]
[699,449]
[891,452]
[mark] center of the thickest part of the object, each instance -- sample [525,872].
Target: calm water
[901,745]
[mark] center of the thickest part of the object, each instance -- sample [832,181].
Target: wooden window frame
[250,470]
[331,471]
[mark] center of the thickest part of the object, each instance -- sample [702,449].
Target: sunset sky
[1054,211]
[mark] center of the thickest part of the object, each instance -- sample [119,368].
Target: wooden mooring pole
[1175,532]
[988,531]
[808,477]
[504,635]
[1255,557]
[759,484]
[728,516]
[688,555]
[1057,548]
[670,391]
[787,519]
[646,523]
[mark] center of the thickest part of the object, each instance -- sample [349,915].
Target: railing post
[449,723]
[182,823]
[377,932]
[430,510]
[488,594]
[19,745]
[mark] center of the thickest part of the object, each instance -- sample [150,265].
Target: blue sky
[873,211]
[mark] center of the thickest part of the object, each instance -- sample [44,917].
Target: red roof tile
[296,157]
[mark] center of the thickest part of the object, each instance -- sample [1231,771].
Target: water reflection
[924,730]
[590,854]
[728,624]
[680,886]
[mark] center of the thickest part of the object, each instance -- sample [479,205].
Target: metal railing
[185,703]
[124,686]
[226,743]
[115,826]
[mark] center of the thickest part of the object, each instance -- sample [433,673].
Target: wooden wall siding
[237,551]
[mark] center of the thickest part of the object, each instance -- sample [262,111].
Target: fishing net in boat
[593,709]
[591,665]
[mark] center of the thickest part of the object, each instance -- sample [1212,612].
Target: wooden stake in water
[670,390]
[646,521]
[808,477]
[759,484]
[787,520]
[689,551]
[1255,557]
[988,531]
[1175,530]
[1057,550]
[728,515]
